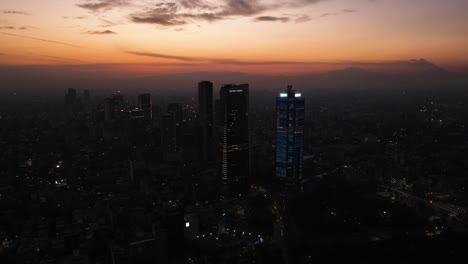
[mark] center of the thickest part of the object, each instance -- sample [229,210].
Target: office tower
[86,100]
[145,105]
[86,96]
[119,102]
[70,97]
[290,138]
[109,109]
[205,121]
[176,109]
[219,114]
[71,101]
[205,102]
[234,100]
[168,133]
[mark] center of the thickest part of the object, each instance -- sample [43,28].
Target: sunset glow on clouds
[261,36]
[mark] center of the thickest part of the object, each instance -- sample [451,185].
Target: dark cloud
[40,39]
[211,60]
[14,12]
[244,7]
[101,5]
[60,58]
[167,14]
[106,23]
[301,3]
[271,19]
[164,56]
[159,19]
[309,1]
[181,12]
[77,17]
[164,14]
[203,16]
[196,4]
[12,27]
[105,32]
[329,14]
[343,11]
[303,18]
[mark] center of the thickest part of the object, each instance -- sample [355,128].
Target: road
[450,208]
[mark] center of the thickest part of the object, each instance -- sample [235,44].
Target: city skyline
[123,178]
[264,37]
[233,131]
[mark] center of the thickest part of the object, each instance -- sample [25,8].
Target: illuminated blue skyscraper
[290,107]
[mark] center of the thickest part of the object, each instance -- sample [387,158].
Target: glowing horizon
[258,36]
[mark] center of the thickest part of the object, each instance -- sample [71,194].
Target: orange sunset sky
[258,36]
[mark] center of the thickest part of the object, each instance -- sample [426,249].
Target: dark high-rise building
[86,95]
[169,133]
[176,109]
[145,104]
[86,99]
[290,138]
[219,114]
[109,109]
[119,101]
[234,100]
[205,120]
[70,97]
[71,101]
[205,102]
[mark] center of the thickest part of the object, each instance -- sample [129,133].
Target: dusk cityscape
[233,131]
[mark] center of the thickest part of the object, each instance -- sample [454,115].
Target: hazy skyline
[267,37]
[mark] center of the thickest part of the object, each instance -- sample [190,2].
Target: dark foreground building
[234,101]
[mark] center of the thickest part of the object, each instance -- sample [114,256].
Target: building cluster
[124,180]
[232,177]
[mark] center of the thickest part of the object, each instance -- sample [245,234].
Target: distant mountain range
[350,77]
[423,74]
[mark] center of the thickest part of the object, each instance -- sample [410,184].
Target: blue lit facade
[290,108]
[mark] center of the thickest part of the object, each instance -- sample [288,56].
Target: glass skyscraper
[146,106]
[234,102]
[205,121]
[290,107]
